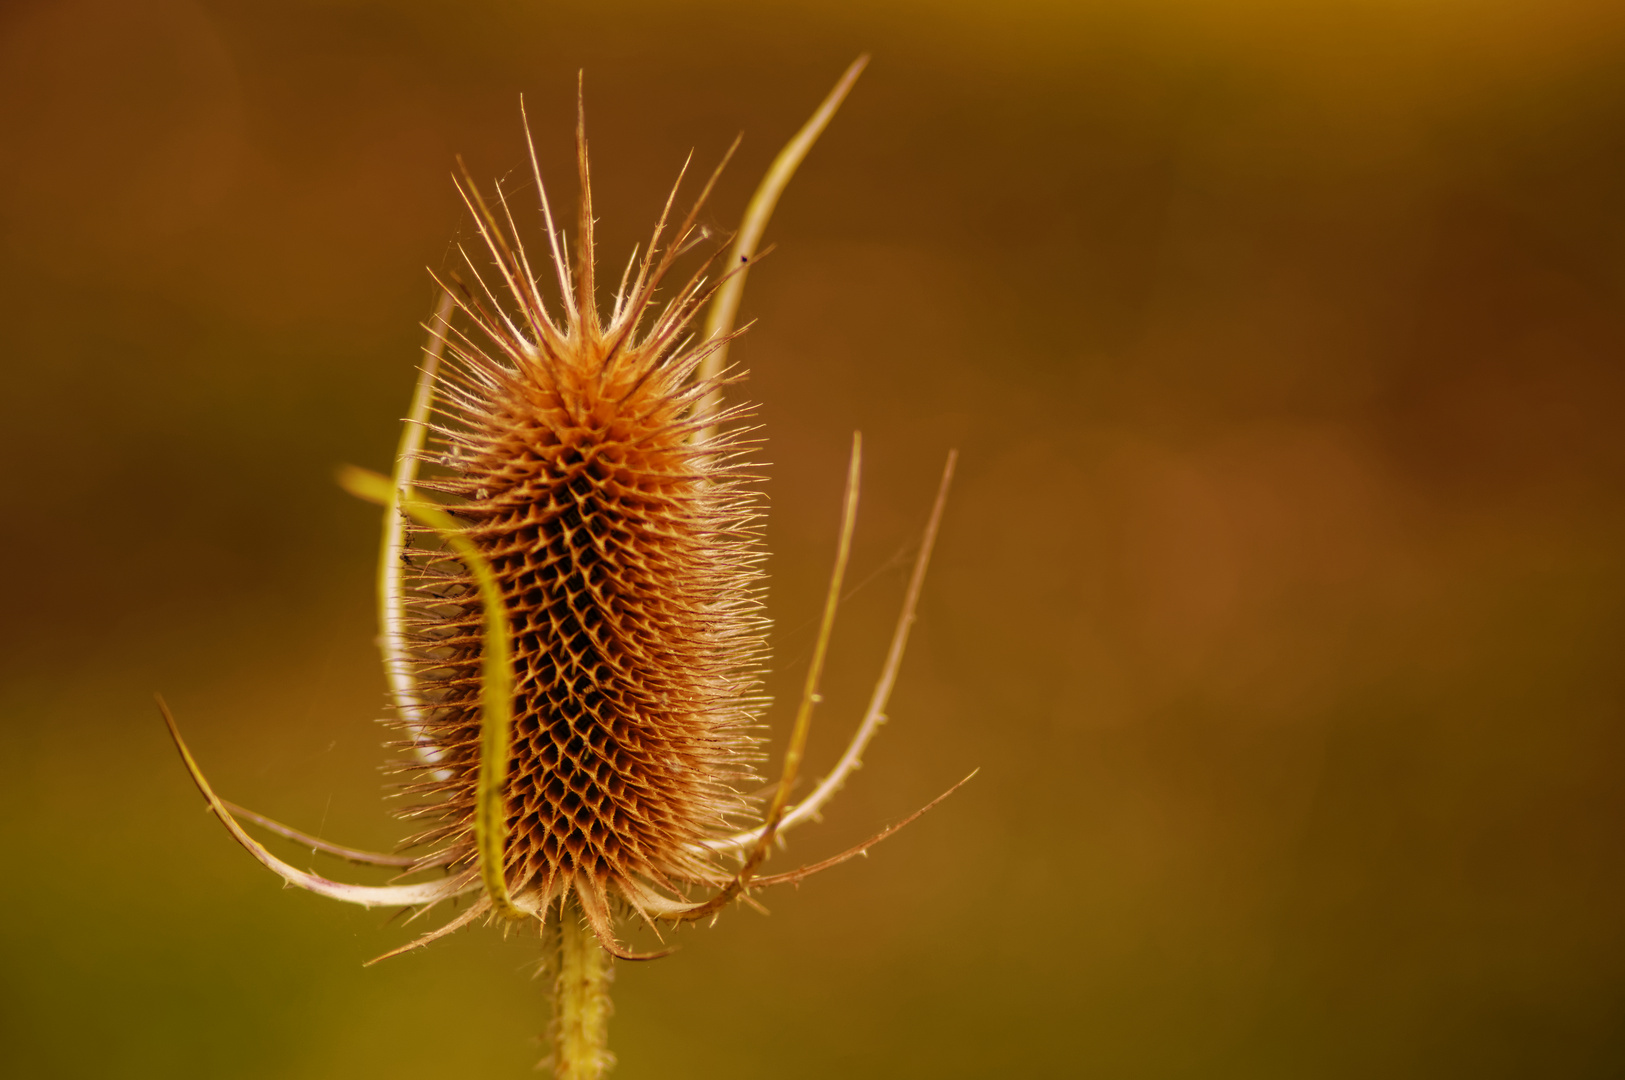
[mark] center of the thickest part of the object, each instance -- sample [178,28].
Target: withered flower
[572,626]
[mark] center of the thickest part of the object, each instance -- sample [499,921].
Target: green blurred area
[1280,601]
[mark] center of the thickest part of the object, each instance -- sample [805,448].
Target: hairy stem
[581,1005]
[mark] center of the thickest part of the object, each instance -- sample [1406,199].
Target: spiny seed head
[625,551]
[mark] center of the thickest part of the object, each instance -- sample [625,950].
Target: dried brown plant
[573,630]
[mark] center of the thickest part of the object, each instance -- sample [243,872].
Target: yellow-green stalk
[581,1005]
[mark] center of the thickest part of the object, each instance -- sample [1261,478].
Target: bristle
[625,550]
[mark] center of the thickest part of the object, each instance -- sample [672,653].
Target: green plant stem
[581,1004]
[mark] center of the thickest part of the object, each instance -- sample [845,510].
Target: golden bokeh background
[1280,601]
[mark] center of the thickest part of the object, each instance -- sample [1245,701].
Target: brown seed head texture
[625,549]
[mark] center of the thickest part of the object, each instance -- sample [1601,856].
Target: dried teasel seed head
[626,555]
[572,626]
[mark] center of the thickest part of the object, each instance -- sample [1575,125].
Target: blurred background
[1279,602]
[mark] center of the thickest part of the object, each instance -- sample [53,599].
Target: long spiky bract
[391,562]
[572,626]
[748,240]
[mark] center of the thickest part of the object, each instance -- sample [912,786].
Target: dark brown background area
[1280,601]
